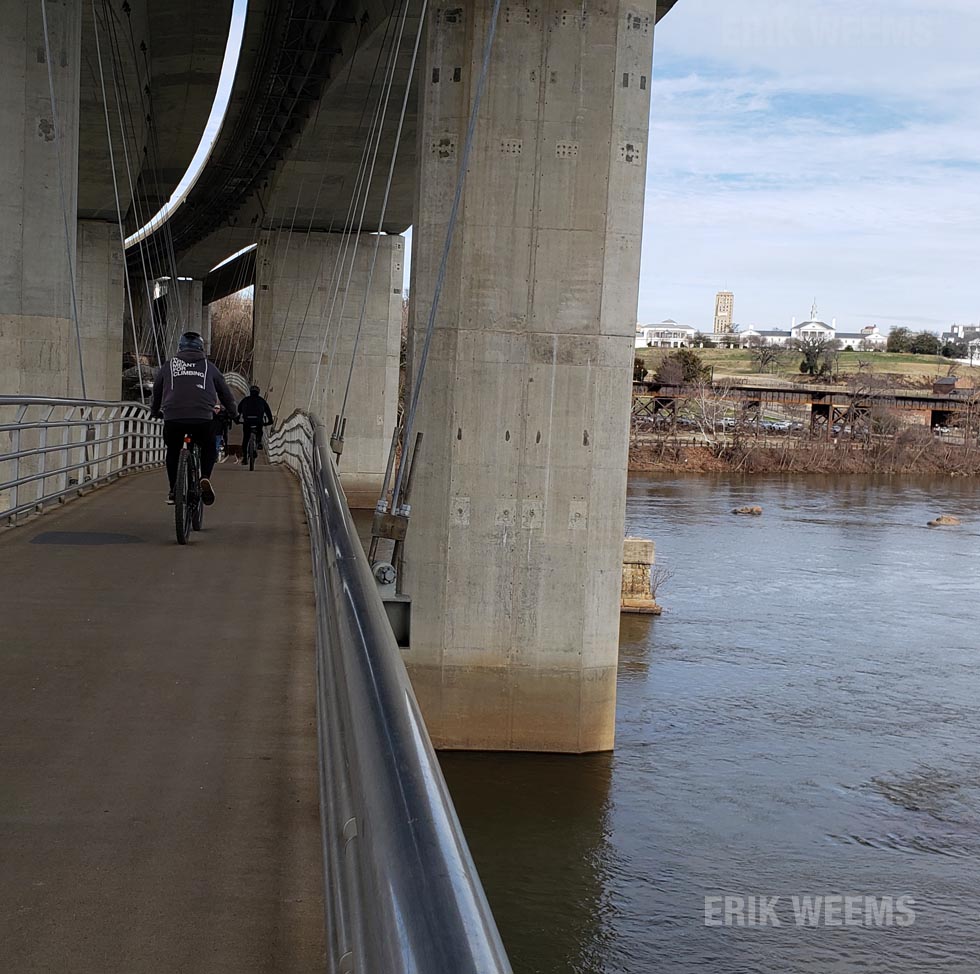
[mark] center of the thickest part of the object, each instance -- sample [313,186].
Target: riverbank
[816,457]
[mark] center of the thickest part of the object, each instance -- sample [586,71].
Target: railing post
[43,454]
[114,445]
[15,440]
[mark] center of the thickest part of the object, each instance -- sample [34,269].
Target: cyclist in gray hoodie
[186,392]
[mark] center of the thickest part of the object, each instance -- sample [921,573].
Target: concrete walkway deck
[158,792]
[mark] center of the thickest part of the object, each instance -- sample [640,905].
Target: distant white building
[666,334]
[868,338]
[961,333]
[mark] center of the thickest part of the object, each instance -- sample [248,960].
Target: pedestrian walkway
[158,769]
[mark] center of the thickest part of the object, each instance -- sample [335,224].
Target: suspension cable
[280,230]
[348,223]
[61,187]
[117,69]
[381,218]
[366,186]
[409,424]
[323,174]
[146,89]
[341,258]
[115,189]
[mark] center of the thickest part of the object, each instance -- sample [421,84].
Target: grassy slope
[906,368]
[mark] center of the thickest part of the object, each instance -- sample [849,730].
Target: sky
[803,151]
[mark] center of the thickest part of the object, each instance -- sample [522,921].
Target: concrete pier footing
[639,555]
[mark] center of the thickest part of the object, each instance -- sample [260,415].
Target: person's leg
[204,437]
[173,438]
[246,429]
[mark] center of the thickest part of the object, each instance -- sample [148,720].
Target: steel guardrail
[52,449]
[402,893]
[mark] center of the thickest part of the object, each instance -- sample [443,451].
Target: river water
[803,720]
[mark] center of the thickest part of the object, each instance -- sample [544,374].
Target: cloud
[814,151]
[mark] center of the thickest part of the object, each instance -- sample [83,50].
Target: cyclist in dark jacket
[253,412]
[185,393]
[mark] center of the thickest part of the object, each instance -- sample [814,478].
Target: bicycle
[250,450]
[188,502]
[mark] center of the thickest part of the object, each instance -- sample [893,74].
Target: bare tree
[707,406]
[658,577]
[819,354]
[763,354]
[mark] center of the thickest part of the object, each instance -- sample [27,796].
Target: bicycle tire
[251,452]
[197,509]
[182,511]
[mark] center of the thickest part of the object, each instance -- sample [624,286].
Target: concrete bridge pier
[301,318]
[37,341]
[514,555]
[101,289]
[186,300]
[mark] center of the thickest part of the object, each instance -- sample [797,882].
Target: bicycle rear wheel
[182,504]
[251,452]
[197,505]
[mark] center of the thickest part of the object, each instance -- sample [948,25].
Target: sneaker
[170,497]
[207,491]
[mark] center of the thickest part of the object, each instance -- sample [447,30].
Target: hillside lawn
[915,370]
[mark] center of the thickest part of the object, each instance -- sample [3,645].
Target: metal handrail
[47,440]
[402,893]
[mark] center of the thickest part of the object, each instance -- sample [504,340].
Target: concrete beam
[514,557]
[230,278]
